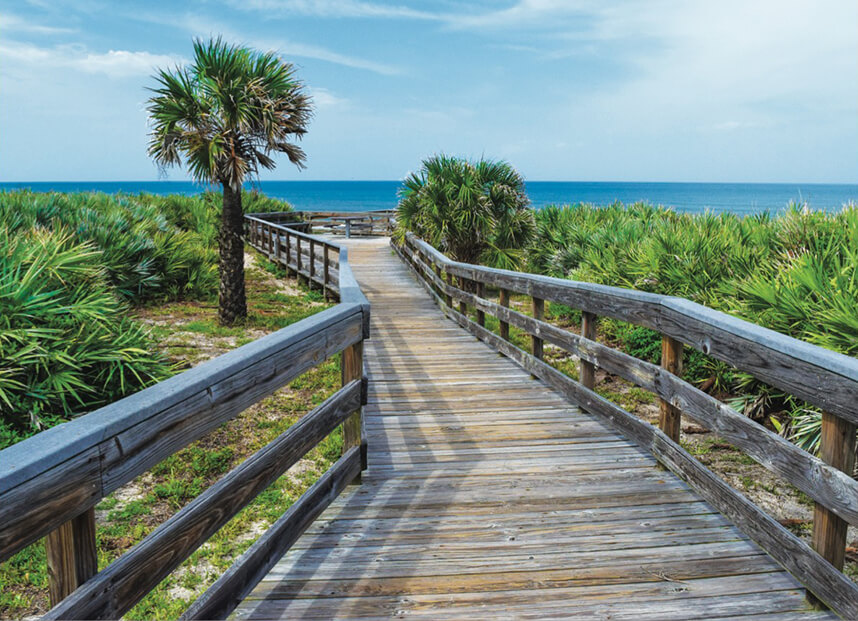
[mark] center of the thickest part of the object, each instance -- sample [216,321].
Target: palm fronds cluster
[475,211]
[71,266]
[796,272]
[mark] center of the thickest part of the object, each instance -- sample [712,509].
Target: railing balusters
[326,259]
[71,555]
[587,370]
[836,448]
[312,263]
[538,306]
[481,293]
[503,300]
[352,369]
[298,257]
[670,417]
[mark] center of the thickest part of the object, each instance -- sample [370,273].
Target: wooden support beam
[670,417]
[481,293]
[587,370]
[327,267]
[836,448]
[539,315]
[352,369]
[312,263]
[449,297]
[503,300]
[71,555]
[463,308]
[288,253]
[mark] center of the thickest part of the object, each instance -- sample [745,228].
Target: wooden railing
[380,222]
[816,375]
[50,483]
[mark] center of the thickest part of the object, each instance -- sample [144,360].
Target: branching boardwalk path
[487,496]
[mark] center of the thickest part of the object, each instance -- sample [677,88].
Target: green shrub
[71,266]
[475,211]
[796,272]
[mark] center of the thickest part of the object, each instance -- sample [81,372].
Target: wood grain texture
[56,475]
[817,375]
[71,555]
[836,448]
[823,483]
[827,583]
[587,370]
[226,593]
[670,416]
[117,588]
[487,494]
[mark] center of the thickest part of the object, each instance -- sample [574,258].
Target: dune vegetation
[795,272]
[74,265]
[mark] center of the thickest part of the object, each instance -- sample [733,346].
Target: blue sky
[655,90]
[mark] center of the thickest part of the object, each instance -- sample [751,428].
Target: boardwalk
[487,495]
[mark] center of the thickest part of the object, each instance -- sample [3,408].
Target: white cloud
[334,8]
[323,98]
[114,63]
[12,23]
[201,27]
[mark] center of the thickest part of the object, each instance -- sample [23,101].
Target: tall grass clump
[72,266]
[795,272]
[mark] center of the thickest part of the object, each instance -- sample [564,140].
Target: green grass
[124,518]
[73,267]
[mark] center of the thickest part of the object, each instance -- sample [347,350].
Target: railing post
[503,300]
[326,260]
[670,417]
[352,369]
[587,370]
[71,555]
[449,283]
[277,245]
[463,308]
[312,263]
[539,315]
[481,293]
[837,449]
[288,253]
[298,257]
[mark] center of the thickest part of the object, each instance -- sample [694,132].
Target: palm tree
[223,117]
[477,212]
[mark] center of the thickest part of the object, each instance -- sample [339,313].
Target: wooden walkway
[488,496]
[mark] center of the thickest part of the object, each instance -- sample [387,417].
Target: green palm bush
[474,211]
[71,266]
[66,345]
[796,273]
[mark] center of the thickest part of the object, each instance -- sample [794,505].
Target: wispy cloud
[198,26]
[335,9]
[13,23]
[323,98]
[113,63]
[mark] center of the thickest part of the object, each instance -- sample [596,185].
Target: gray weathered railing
[380,222]
[50,483]
[816,375]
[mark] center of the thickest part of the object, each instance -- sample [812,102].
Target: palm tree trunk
[232,303]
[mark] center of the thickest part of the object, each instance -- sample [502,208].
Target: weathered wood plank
[817,375]
[825,581]
[226,593]
[116,589]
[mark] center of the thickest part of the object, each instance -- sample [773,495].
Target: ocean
[740,198]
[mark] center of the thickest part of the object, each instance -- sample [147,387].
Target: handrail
[50,483]
[818,375]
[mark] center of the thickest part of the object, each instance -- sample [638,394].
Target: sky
[587,90]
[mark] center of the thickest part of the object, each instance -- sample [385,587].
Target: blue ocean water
[741,198]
